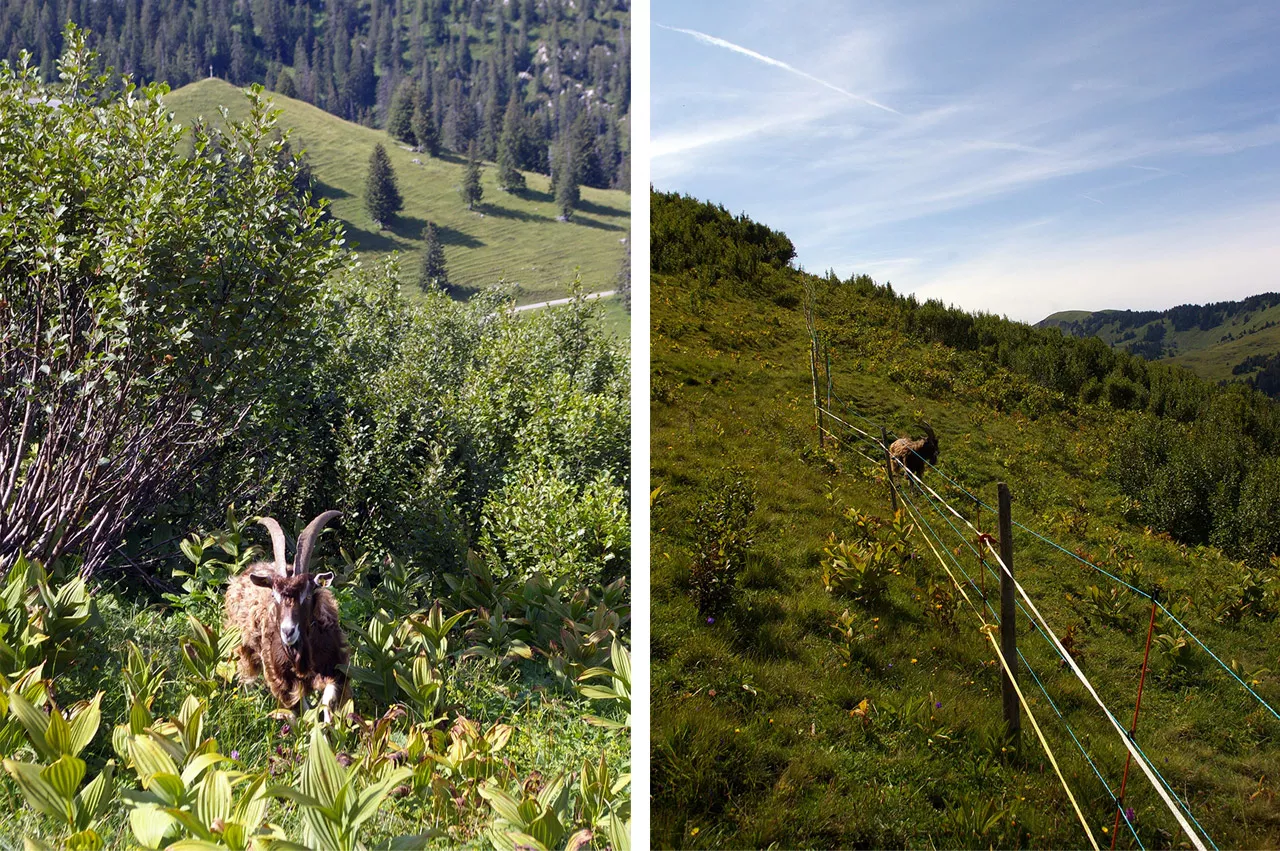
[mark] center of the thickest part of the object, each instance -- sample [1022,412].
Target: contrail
[768,60]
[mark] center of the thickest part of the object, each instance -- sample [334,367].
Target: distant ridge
[1220,341]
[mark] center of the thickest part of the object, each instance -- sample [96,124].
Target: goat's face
[294,596]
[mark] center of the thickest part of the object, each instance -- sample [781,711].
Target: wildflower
[694,832]
[1128,814]
[938,705]
[913,661]
[235,754]
[711,693]
[709,620]
[737,729]
[286,730]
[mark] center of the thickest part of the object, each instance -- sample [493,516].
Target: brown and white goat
[914,454]
[288,621]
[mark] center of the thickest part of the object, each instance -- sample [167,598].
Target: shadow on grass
[601,209]
[592,223]
[320,189]
[534,195]
[518,215]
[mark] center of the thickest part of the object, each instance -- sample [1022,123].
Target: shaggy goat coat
[914,453]
[291,672]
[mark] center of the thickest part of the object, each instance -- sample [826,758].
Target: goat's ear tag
[323,580]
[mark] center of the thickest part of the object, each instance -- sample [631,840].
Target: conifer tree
[509,177]
[424,125]
[566,182]
[400,116]
[381,192]
[285,85]
[471,189]
[432,272]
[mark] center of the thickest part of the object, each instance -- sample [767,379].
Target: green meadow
[511,237]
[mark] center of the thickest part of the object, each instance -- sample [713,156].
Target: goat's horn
[928,429]
[307,540]
[277,543]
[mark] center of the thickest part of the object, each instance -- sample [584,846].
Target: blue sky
[1020,158]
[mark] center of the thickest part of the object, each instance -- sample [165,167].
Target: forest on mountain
[556,73]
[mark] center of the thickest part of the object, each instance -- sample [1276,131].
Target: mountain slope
[799,717]
[516,237]
[1210,340]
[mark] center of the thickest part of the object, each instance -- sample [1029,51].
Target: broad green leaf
[31,844]
[197,764]
[498,736]
[619,832]
[522,840]
[38,792]
[371,797]
[213,800]
[84,726]
[251,807]
[502,802]
[195,845]
[150,758]
[168,787]
[322,776]
[58,734]
[550,792]
[85,840]
[65,775]
[151,825]
[95,797]
[34,721]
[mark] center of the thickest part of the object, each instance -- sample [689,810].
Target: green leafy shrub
[542,522]
[722,539]
[165,288]
[41,619]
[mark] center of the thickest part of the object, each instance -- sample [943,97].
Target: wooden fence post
[1008,620]
[888,465]
[817,404]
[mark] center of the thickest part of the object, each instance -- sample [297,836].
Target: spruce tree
[285,85]
[424,124]
[432,273]
[381,193]
[400,116]
[509,177]
[566,182]
[471,189]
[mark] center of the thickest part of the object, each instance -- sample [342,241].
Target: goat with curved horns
[288,622]
[913,453]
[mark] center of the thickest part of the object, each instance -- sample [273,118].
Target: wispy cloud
[1161,122]
[777,63]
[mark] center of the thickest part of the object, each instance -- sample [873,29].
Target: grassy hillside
[775,723]
[512,237]
[1209,344]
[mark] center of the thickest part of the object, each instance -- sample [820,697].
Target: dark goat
[288,622]
[914,453]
